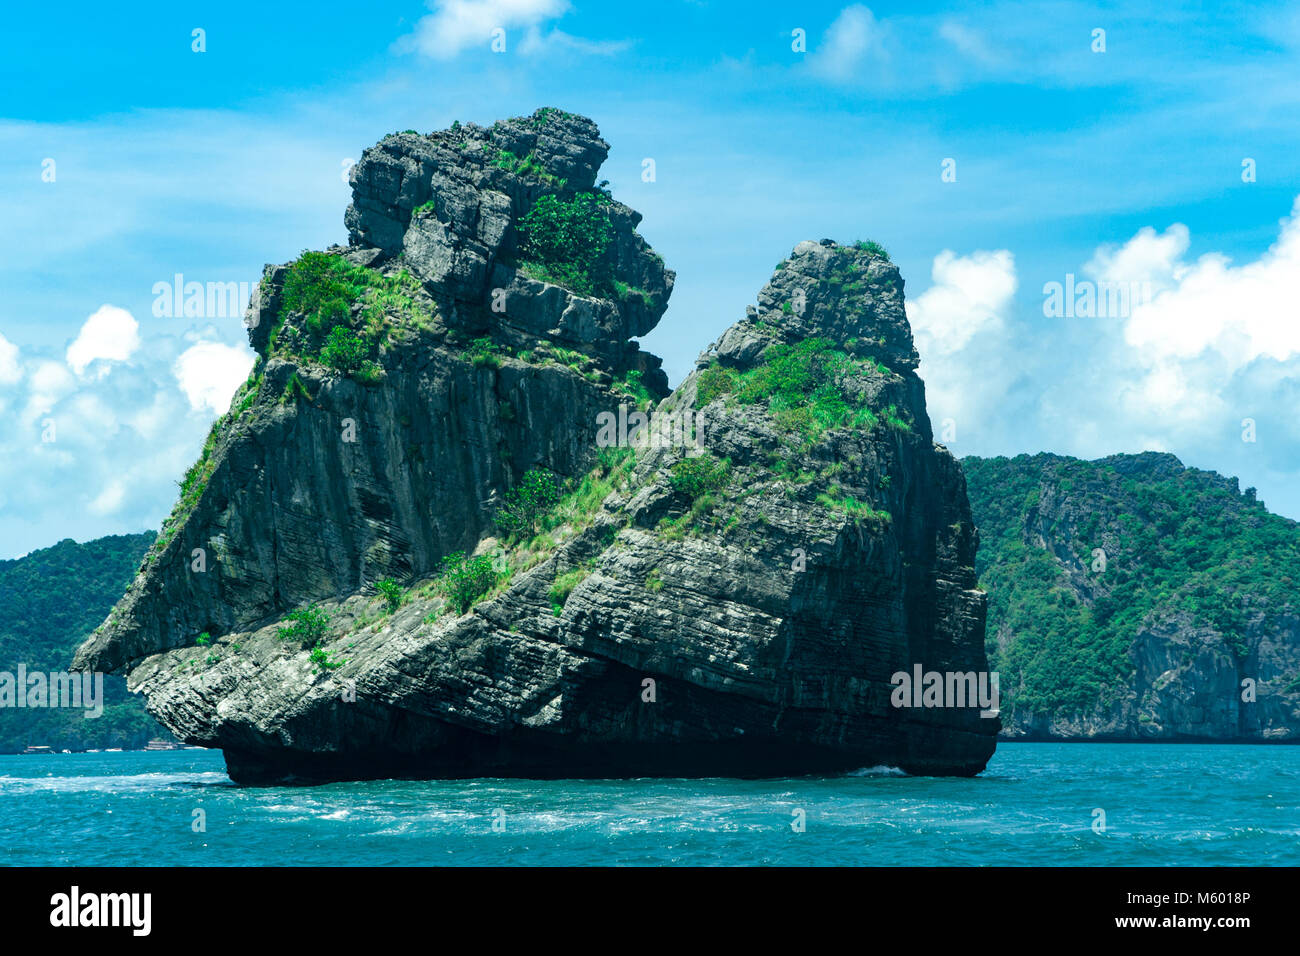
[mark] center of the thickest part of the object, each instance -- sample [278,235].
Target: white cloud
[535,41]
[1216,343]
[852,41]
[959,324]
[971,294]
[47,383]
[457,25]
[1147,257]
[209,373]
[10,370]
[1243,313]
[101,454]
[110,334]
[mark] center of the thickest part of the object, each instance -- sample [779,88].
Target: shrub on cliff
[307,625]
[323,287]
[714,381]
[563,586]
[807,385]
[529,501]
[345,350]
[482,353]
[564,241]
[873,247]
[696,476]
[324,660]
[391,592]
[464,580]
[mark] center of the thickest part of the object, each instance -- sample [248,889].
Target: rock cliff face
[1132,598]
[641,596]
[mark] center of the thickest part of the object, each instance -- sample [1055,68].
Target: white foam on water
[880,770]
[99,784]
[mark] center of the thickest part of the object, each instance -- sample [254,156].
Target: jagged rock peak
[852,295]
[481,214]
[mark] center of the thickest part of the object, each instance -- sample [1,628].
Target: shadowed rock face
[746,622]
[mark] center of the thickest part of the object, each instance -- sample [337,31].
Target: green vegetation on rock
[563,587]
[391,592]
[530,167]
[875,248]
[308,625]
[345,350]
[324,660]
[632,386]
[348,312]
[537,492]
[50,600]
[564,242]
[808,387]
[466,579]
[482,353]
[696,476]
[1178,543]
[835,499]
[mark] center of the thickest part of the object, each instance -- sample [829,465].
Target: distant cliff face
[441,536]
[1131,598]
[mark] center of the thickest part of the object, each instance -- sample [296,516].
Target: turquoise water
[1165,805]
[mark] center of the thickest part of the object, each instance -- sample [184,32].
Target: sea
[1037,804]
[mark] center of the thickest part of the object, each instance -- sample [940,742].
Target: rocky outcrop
[731,597]
[1133,598]
[348,483]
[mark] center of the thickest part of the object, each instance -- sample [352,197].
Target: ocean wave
[113,784]
[880,770]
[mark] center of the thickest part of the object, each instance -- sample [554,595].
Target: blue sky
[1123,166]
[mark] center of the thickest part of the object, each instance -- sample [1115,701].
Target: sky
[1141,156]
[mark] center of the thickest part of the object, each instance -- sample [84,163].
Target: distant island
[49,601]
[1132,598]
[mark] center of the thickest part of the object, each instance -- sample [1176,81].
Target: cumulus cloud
[209,372]
[1215,343]
[959,324]
[92,454]
[1148,257]
[971,294]
[110,334]
[47,383]
[1241,312]
[457,25]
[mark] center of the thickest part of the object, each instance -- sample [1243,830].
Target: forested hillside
[49,601]
[1131,597]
